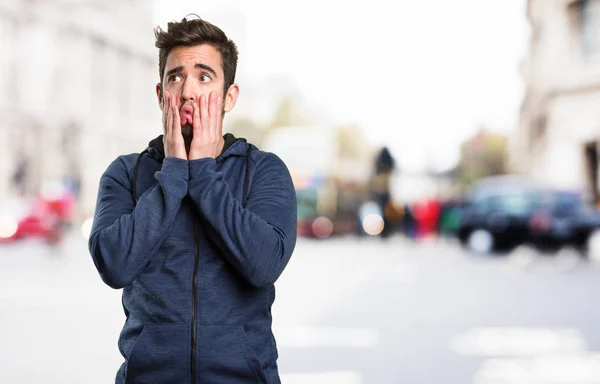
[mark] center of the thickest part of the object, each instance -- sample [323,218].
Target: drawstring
[135,175]
[246,180]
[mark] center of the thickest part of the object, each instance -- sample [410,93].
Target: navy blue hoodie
[197,247]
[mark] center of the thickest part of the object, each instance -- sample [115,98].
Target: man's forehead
[196,54]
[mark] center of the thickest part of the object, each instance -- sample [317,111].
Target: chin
[187,132]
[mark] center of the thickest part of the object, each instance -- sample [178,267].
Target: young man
[196,229]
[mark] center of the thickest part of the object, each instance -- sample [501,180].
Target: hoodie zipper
[195,301]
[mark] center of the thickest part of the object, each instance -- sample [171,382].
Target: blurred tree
[351,142]
[248,129]
[287,114]
[484,154]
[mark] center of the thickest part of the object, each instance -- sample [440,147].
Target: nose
[190,91]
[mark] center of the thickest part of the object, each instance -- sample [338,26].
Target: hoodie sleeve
[257,240]
[125,237]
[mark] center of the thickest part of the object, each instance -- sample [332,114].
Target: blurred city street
[445,190]
[348,310]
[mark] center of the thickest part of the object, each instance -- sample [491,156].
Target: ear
[159,95]
[231,97]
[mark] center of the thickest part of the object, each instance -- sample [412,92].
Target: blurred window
[5,61]
[125,69]
[8,68]
[517,204]
[510,204]
[99,53]
[590,27]
[482,206]
[561,202]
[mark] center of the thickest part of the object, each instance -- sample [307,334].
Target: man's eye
[204,78]
[175,78]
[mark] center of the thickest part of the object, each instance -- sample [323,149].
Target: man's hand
[172,137]
[207,126]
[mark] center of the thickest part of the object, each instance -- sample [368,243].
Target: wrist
[176,167]
[201,154]
[199,167]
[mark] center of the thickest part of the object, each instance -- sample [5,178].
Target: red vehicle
[45,217]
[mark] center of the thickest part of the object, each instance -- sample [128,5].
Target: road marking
[572,369]
[337,337]
[530,356]
[341,377]
[518,342]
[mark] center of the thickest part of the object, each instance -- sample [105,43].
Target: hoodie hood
[156,148]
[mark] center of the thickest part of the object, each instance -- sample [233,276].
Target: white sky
[419,76]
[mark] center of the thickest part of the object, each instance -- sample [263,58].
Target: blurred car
[503,212]
[46,216]
[496,214]
[562,218]
[26,218]
[13,218]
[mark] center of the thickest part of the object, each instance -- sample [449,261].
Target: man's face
[189,73]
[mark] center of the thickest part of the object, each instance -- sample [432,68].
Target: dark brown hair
[190,32]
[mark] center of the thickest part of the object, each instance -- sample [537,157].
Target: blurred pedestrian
[380,186]
[408,222]
[196,229]
[20,175]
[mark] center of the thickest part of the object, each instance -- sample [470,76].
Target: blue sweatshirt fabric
[197,264]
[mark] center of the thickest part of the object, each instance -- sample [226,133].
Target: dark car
[496,214]
[562,218]
[506,211]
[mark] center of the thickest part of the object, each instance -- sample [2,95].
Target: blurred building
[557,141]
[261,99]
[311,153]
[77,88]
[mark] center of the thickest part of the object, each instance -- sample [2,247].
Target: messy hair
[190,32]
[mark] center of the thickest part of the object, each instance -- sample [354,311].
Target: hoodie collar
[232,147]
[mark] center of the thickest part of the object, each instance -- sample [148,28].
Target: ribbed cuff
[176,167]
[200,167]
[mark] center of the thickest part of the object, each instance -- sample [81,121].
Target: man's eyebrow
[207,68]
[174,70]
[198,66]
